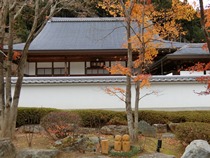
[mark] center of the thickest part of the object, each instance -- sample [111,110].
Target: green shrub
[61,123]
[116,120]
[153,117]
[98,118]
[31,115]
[134,151]
[190,131]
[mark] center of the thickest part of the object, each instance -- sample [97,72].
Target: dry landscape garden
[79,133]
[154,32]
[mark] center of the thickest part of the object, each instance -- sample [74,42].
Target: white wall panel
[77,68]
[93,96]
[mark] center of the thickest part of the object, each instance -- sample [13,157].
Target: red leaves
[16,55]
[205,80]
[116,91]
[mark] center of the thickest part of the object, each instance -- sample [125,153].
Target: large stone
[80,143]
[114,129]
[172,126]
[146,129]
[31,129]
[197,149]
[160,128]
[38,153]
[7,149]
[156,155]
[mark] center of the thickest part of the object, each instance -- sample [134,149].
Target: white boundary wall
[92,95]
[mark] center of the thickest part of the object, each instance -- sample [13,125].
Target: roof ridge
[86,19]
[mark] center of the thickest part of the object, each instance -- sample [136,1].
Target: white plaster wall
[194,73]
[32,69]
[26,70]
[59,64]
[44,64]
[93,96]
[77,68]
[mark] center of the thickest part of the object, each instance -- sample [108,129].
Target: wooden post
[118,143]
[104,146]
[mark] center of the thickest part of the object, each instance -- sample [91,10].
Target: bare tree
[127,14]
[10,105]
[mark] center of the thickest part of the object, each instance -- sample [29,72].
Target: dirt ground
[170,146]
[43,141]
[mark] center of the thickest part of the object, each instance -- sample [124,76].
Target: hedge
[31,115]
[98,118]
[189,131]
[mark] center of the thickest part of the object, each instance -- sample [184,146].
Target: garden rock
[85,130]
[31,129]
[7,149]
[146,129]
[156,155]
[168,135]
[160,128]
[37,153]
[114,129]
[81,144]
[172,126]
[197,148]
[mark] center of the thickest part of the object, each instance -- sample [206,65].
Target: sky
[205,2]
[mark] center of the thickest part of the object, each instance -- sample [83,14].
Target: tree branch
[20,10]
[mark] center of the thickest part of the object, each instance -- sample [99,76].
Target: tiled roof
[100,79]
[191,49]
[70,34]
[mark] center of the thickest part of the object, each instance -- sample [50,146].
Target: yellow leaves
[181,11]
[112,6]
[145,57]
[207,14]
[144,80]
[119,69]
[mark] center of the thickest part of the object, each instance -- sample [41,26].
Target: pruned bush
[116,120]
[153,117]
[31,115]
[98,118]
[189,131]
[61,124]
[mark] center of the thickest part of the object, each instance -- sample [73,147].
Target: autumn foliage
[149,27]
[61,124]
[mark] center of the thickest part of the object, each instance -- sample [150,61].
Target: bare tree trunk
[128,84]
[9,112]
[3,14]
[21,67]
[7,109]
[127,13]
[136,111]
[203,21]
[139,71]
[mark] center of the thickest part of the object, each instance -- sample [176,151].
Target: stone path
[154,155]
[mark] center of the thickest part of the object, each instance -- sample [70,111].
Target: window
[59,71]
[95,71]
[96,68]
[44,71]
[97,64]
[51,69]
